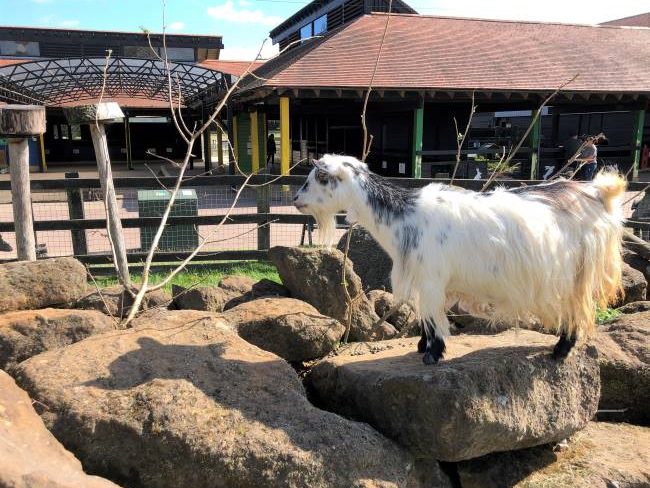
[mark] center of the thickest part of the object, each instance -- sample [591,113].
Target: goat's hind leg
[564,346]
[435,344]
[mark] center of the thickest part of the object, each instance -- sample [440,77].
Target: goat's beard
[326,228]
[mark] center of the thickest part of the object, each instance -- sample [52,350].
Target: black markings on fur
[422,343]
[388,201]
[442,238]
[434,353]
[563,347]
[356,170]
[409,239]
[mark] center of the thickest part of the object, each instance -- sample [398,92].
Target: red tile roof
[7,62]
[424,52]
[235,68]
[641,20]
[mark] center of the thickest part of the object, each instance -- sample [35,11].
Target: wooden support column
[207,150]
[220,147]
[43,165]
[416,150]
[535,137]
[637,138]
[17,124]
[96,116]
[285,140]
[255,143]
[127,136]
[235,142]
[76,212]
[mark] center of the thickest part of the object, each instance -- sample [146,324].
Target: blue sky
[245,23]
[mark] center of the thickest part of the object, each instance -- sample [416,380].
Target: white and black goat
[549,252]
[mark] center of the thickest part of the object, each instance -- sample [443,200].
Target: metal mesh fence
[192,202]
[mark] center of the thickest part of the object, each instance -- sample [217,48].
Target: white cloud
[176,26]
[69,23]
[230,13]
[244,3]
[243,53]
[41,1]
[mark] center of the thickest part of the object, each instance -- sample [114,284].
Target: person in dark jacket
[270,150]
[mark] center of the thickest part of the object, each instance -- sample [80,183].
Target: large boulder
[634,285]
[383,301]
[624,356]
[28,285]
[635,307]
[231,291]
[490,393]
[25,333]
[315,275]
[181,400]
[369,260]
[637,262]
[30,456]
[290,328]
[116,302]
[601,456]
[205,298]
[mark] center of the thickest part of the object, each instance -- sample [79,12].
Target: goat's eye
[322,176]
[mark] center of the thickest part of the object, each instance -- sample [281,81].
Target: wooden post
[416,150]
[127,136]
[76,212]
[219,147]
[43,165]
[207,150]
[96,116]
[285,141]
[535,137]
[17,124]
[255,143]
[639,122]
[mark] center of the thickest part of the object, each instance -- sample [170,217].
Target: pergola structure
[60,82]
[65,82]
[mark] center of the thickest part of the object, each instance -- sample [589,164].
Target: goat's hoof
[429,358]
[563,347]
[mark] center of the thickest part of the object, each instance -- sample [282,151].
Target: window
[179,53]
[142,52]
[55,132]
[173,53]
[75,130]
[65,131]
[19,48]
[320,25]
[305,32]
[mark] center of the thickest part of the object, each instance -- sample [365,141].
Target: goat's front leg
[436,327]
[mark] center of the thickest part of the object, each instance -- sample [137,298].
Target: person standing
[270,150]
[588,158]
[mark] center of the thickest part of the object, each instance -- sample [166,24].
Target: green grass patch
[606,315]
[206,275]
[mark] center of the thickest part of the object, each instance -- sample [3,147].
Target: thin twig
[367,141]
[460,140]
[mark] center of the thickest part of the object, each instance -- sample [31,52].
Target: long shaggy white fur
[550,252]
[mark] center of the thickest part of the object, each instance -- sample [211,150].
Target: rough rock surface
[634,285]
[635,307]
[383,301]
[369,260]
[624,356]
[25,333]
[637,262]
[290,328]
[181,400]
[490,393]
[30,457]
[315,276]
[114,301]
[28,285]
[206,298]
[231,291]
[601,456]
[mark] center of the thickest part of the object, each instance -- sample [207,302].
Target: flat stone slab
[490,393]
[181,401]
[30,456]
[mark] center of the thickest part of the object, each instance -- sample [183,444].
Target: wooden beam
[219,146]
[416,149]
[639,122]
[535,137]
[285,140]
[235,139]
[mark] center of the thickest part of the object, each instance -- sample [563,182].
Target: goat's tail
[611,186]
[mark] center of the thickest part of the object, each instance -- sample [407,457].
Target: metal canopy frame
[57,82]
